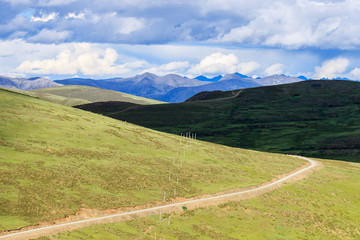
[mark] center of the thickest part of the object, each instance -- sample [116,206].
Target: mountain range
[169,88]
[26,83]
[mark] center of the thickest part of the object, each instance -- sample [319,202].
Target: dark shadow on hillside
[311,118]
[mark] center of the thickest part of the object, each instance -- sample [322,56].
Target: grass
[44,95]
[75,95]
[324,205]
[55,160]
[312,118]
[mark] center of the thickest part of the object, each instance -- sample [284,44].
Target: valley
[311,118]
[61,164]
[179,120]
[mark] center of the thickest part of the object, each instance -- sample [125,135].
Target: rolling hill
[56,160]
[312,118]
[76,95]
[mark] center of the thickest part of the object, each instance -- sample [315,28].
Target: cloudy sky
[120,38]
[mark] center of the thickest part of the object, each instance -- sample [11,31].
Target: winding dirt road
[168,208]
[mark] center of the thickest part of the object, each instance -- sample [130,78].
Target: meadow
[56,160]
[72,95]
[324,205]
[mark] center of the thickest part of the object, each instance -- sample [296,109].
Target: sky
[121,38]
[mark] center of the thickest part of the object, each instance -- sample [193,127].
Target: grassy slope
[325,205]
[86,94]
[312,118]
[55,160]
[50,97]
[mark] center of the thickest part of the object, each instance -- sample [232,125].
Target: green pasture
[55,160]
[325,205]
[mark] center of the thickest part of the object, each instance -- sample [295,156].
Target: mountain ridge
[168,88]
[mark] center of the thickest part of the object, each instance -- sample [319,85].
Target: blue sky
[113,38]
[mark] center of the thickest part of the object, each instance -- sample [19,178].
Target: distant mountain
[145,85]
[341,78]
[26,84]
[241,75]
[169,88]
[276,80]
[214,79]
[302,77]
[226,83]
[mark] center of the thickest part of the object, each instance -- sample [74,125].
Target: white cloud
[117,24]
[83,59]
[75,16]
[177,67]
[50,36]
[332,68]
[247,67]
[354,74]
[327,24]
[129,25]
[45,17]
[218,63]
[276,68]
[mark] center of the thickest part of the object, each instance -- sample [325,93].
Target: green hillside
[55,160]
[311,118]
[76,95]
[324,205]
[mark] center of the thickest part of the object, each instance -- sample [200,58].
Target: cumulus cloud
[332,68]
[176,67]
[218,63]
[276,68]
[354,74]
[83,59]
[45,17]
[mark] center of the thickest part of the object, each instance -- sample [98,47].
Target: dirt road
[168,208]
